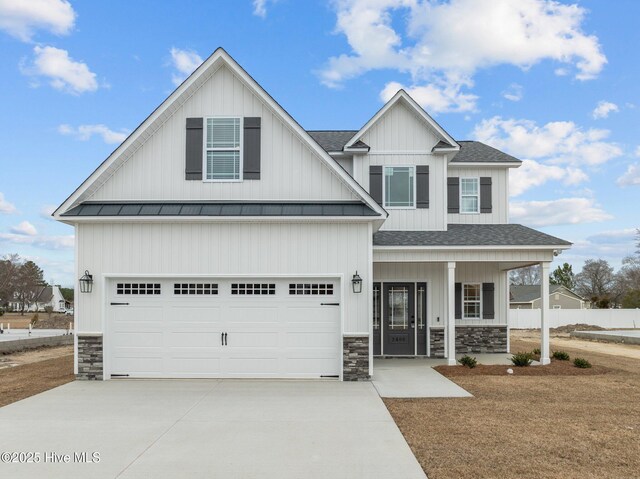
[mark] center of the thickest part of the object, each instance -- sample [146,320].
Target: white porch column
[451,313]
[544,313]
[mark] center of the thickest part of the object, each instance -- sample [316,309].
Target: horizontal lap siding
[156,169]
[236,248]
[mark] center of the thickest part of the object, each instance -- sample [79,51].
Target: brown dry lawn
[37,371]
[521,426]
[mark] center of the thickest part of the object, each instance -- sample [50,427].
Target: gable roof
[470,235]
[403,96]
[527,293]
[164,111]
[478,152]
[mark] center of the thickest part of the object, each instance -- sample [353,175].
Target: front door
[399,319]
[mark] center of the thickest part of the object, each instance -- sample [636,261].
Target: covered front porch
[438,305]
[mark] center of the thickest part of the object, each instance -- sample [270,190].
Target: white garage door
[236,328]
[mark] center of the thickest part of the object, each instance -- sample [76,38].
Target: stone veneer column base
[481,339]
[355,358]
[90,366]
[436,339]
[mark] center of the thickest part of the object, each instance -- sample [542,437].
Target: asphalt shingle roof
[221,208]
[475,151]
[333,140]
[469,235]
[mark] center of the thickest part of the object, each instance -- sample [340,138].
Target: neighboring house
[48,296]
[224,240]
[560,297]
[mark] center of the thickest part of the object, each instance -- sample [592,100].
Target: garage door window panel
[253,289]
[191,289]
[138,288]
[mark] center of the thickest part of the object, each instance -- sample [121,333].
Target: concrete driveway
[207,428]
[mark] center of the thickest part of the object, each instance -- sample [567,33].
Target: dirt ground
[17,321]
[34,372]
[562,341]
[516,426]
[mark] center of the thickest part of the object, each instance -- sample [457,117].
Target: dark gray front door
[399,319]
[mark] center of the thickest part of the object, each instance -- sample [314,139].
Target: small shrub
[34,319]
[468,361]
[581,363]
[522,359]
[536,352]
[560,355]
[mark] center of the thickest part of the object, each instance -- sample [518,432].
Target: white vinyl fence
[605,318]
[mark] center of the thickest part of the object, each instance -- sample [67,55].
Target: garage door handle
[222,339]
[119,304]
[329,304]
[225,339]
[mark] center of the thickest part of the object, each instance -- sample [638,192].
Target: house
[560,297]
[49,295]
[224,240]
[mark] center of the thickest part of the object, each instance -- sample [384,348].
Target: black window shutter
[488,301]
[251,149]
[422,186]
[453,194]
[485,194]
[375,183]
[193,151]
[458,300]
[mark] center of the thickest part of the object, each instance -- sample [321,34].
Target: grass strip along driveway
[522,426]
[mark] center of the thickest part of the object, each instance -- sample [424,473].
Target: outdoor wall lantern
[356,283]
[86,282]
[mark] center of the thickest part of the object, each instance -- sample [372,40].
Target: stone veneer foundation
[90,365]
[355,358]
[471,339]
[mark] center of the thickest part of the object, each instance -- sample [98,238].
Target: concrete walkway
[413,378]
[208,428]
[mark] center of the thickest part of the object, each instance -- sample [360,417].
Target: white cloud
[559,142]
[533,173]
[631,177]
[41,241]
[22,18]
[627,235]
[637,151]
[433,97]
[25,229]
[62,71]
[603,108]
[185,62]
[260,8]
[514,92]
[445,44]
[563,211]
[6,207]
[85,132]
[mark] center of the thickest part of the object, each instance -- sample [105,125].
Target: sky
[555,84]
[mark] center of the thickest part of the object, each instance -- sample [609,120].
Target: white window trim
[384,188]
[477,178]
[479,285]
[205,149]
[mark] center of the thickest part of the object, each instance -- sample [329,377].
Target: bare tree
[527,275]
[597,282]
[29,284]
[628,282]
[9,267]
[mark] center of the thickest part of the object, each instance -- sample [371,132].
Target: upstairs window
[469,195]
[399,187]
[222,149]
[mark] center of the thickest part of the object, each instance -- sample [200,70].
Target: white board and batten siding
[499,196]
[435,275]
[260,249]
[401,138]
[156,170]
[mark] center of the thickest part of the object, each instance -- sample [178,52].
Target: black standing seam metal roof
[220,208]
[469,235]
